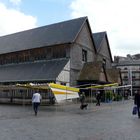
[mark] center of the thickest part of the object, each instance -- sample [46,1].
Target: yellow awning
[102,86]
[58,86]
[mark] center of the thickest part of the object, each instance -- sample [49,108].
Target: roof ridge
[49,25]
[57,33]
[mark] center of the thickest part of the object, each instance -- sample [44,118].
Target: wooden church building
[53,53]
[66,53]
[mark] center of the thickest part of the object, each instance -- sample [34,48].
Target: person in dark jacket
[137,102]
[82,100]
[98,98]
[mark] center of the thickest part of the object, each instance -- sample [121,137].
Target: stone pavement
[110,121]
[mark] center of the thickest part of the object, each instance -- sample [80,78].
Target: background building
[130,70]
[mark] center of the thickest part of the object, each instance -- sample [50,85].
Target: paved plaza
[110,121]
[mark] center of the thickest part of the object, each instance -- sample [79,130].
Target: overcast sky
[119,18]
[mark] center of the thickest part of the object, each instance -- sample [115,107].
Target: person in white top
[36,99]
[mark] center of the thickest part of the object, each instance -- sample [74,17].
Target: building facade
[130,70]
[66,53]
[53,53]
[103,49]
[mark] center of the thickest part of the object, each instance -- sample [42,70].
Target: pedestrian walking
[82,100]
[98,98]
[36,99]
[137,102]
[52,99]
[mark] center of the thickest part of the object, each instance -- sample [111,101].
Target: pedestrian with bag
[137,102]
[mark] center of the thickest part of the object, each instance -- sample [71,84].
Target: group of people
[36,99]
[98,100]
[82,100]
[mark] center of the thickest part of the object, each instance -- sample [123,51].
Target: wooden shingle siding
[104,54]
[83,42]
[103,48]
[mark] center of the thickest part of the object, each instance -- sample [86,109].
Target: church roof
[98,38]
[54,34]
[35,71]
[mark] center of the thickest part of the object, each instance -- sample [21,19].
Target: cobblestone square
[110,121]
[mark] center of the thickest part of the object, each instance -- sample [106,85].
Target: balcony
[125,77]
[133,77]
